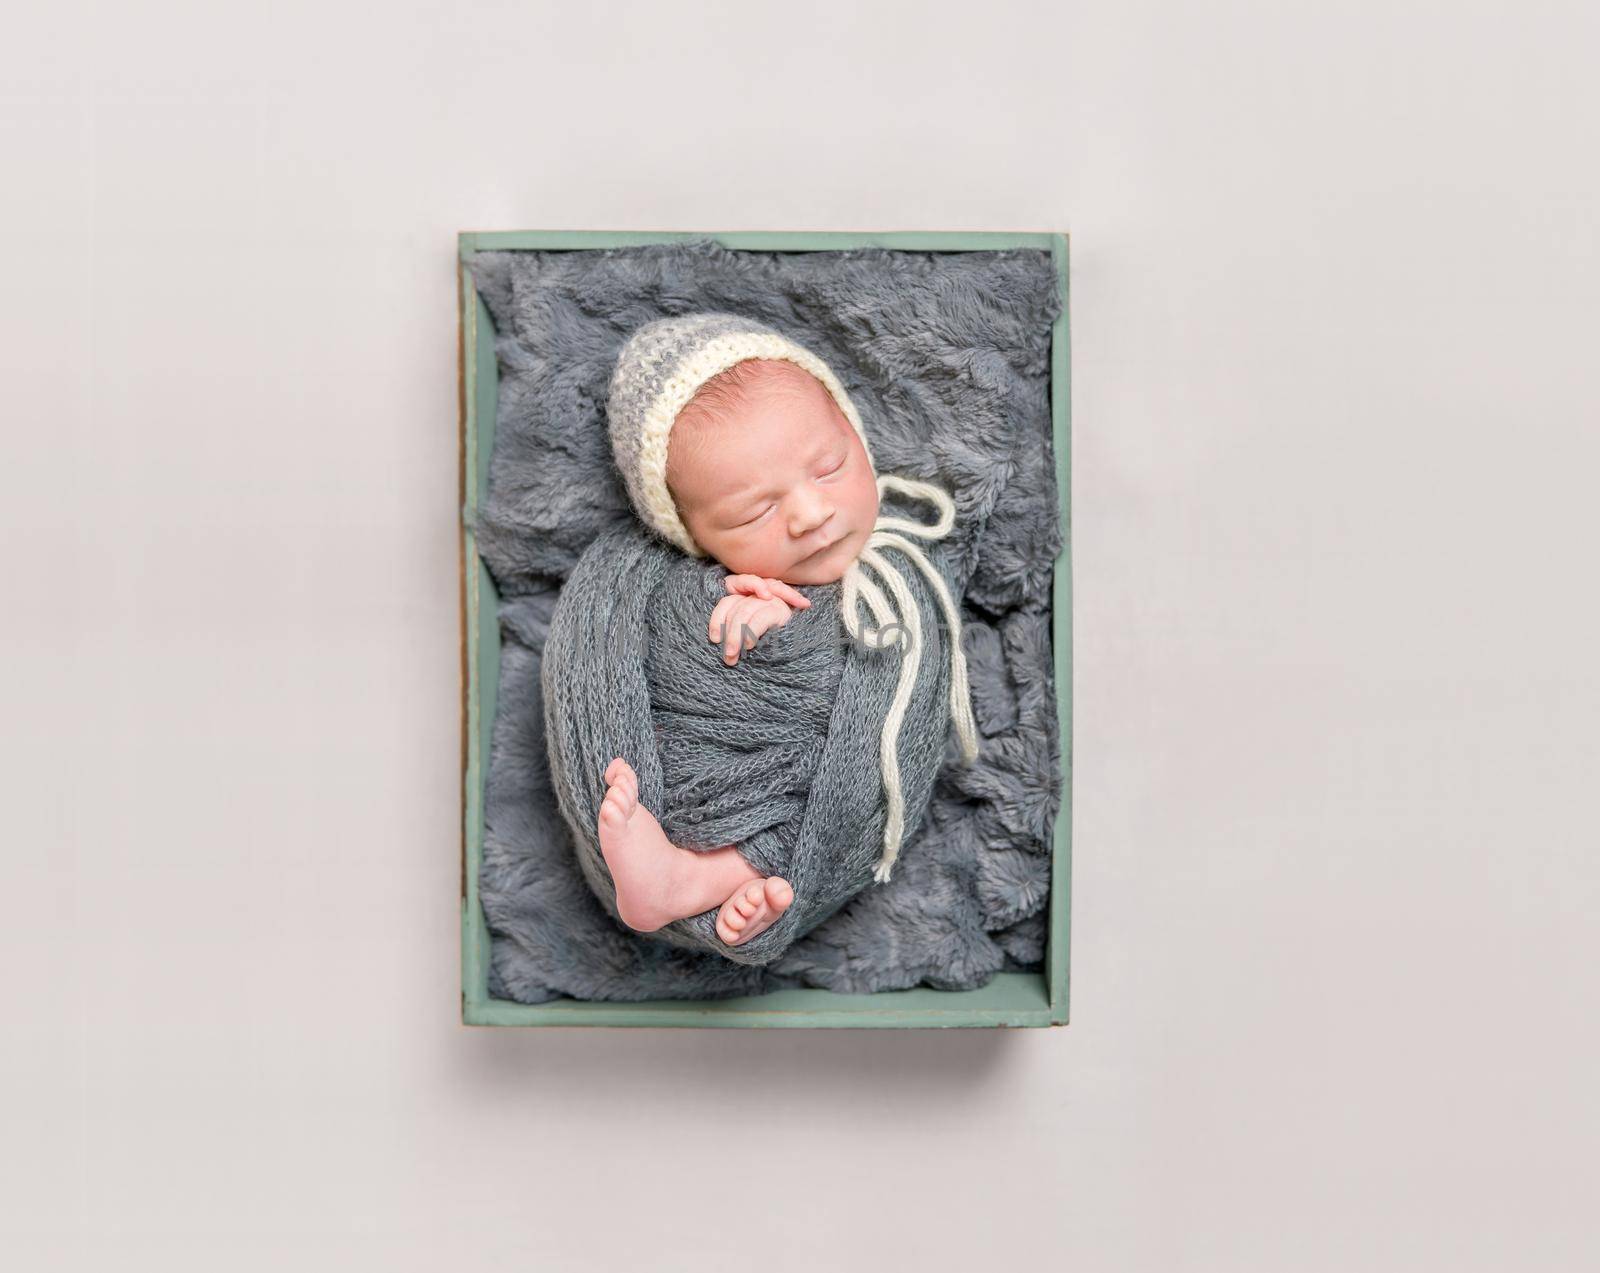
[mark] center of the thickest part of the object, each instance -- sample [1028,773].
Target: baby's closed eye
[757,518]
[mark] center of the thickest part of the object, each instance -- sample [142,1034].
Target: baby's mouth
[831,544]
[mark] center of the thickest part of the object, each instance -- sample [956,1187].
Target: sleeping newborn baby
[749,452]
[769,477]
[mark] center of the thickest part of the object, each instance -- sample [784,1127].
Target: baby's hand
[753,606]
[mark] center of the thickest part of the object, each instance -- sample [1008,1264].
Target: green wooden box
[1010,999]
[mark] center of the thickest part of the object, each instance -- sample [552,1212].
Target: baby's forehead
[757,378]
[748,387]
[731,417]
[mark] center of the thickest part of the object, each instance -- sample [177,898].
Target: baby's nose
[808,511]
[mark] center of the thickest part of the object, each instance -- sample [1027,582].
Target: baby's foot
[752,909]
[633,845]
[656,880]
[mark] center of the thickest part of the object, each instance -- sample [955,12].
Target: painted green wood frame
[1010,999]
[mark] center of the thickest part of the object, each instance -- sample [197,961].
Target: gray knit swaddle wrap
[778,754]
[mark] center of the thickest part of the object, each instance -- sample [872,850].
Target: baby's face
[782,487]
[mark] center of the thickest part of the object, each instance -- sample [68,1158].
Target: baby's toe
[778,893]
[748,912]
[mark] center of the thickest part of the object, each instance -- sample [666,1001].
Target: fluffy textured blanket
[947,356]
[778,754]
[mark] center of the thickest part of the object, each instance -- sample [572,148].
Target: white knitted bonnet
[661,367]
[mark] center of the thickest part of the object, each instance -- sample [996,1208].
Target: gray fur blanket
[778,754]
[947,357]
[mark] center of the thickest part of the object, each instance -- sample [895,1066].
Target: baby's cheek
[771,551]
[867,501]
[745,553]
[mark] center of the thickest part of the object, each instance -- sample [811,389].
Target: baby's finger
[785,593]
[719,618]
[747,585]
[732,636]
[740,631]
[728,633]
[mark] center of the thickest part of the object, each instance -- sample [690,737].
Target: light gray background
[1335,410]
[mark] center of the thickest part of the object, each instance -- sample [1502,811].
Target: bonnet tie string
[904,617]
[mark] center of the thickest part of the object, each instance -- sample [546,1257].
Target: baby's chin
[814,575]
